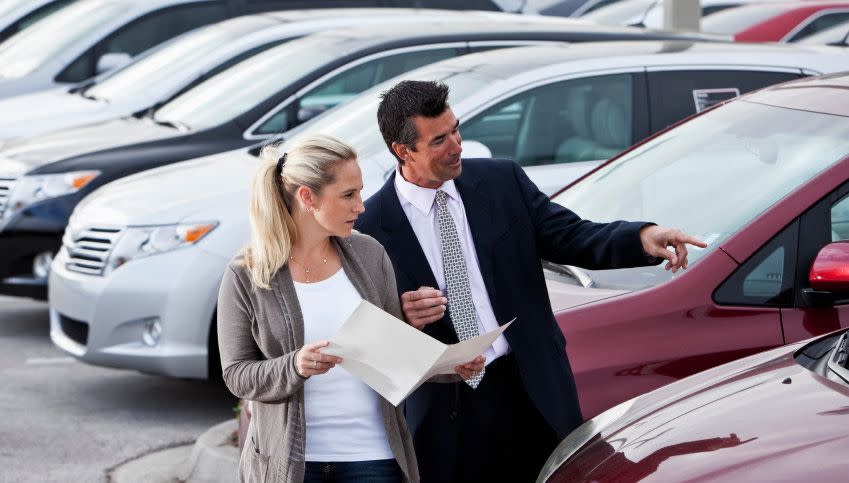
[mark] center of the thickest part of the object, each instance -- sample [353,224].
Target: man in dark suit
[466,239]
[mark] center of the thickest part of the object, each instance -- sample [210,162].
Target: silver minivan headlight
[143,241]
[31,189]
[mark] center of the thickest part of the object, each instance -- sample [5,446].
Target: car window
[161,70]
[144,33]
[820,23]
[47,40]
[595,6]
[9,6]
[575,120]
[249,83]
[348,84]
[735,20]
[835,35]
[710,176]
[32,17]
[767,277]
[709,10]
[840,220]
[674,95]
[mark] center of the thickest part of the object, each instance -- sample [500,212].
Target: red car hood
[763,418]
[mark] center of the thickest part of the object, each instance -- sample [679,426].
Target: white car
[165,236]
[177,65]
[90,37]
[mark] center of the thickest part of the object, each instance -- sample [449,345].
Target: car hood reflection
[767,420]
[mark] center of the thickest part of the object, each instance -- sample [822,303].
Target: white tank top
[343,414]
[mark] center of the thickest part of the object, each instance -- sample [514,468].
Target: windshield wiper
[842,353]
[82,86]
[85,95]
[579,275]
[174,124]
[838,361]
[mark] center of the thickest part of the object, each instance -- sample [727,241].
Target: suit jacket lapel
[401,239]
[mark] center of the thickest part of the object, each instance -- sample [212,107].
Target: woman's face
[339,203]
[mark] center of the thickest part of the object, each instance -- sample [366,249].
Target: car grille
[76,330]
[6,185]
[89,249]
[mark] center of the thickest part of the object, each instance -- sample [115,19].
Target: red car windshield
[710,176]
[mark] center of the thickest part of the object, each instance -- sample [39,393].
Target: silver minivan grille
[89,249]
[6,185]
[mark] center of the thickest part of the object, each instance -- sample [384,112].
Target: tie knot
[441,196]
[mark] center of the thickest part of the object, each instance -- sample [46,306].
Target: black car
[42,179]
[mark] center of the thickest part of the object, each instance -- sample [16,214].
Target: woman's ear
[306,198]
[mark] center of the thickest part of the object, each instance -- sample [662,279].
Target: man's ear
[402,151]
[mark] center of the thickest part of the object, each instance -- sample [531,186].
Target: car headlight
[32,189]
[581,436]
[143,241]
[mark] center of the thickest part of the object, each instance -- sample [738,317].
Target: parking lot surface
[61,420]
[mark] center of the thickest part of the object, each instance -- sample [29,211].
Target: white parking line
[43,361]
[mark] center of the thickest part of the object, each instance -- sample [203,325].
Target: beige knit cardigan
[259,333]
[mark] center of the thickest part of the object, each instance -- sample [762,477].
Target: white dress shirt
[343,416]
[420,207]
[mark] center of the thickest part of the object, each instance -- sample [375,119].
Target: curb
[213,457]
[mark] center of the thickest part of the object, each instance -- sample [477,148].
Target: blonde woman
[300,278]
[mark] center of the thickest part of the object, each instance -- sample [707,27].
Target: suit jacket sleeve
[246,372]
[563,237]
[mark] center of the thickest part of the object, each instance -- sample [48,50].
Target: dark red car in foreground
[777,416]
[788,21]
[764,179]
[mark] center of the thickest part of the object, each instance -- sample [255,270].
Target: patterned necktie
[460,305]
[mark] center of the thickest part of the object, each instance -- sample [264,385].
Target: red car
[764,180]
[778,416]
[777,21]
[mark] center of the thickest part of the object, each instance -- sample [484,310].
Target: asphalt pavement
[62,420]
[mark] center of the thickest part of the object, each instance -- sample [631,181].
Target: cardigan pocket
[257,464]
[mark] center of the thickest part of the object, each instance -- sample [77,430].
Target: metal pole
[682,15]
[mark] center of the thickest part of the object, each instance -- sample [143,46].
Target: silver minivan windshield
[248,83]
[154,75]
[9,6]
[710,176]
[29,50]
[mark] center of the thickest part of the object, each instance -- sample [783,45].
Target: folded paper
[394,358]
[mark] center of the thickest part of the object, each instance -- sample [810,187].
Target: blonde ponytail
[312,163]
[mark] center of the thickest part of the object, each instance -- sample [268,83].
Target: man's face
[437,155]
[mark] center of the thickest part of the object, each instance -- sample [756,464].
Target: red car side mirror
[830,270]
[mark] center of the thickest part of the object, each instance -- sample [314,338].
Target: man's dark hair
[404,101]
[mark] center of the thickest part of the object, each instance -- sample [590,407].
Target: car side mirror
[475,149]
[112,60]
[829,275]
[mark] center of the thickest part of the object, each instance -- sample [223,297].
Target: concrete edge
[213,457]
